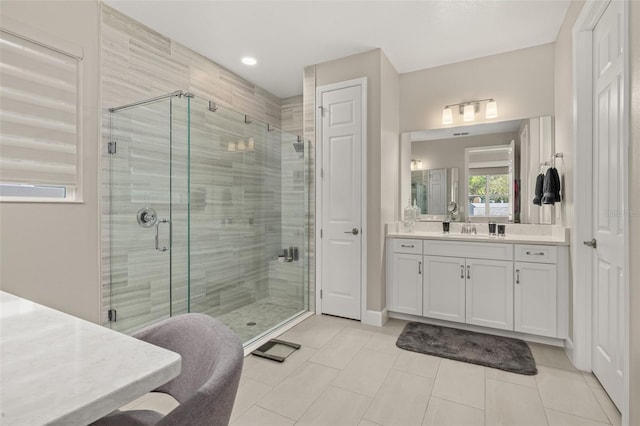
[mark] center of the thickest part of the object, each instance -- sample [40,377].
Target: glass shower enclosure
[208,213]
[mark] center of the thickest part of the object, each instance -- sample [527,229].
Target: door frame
[362,82]
[580,350]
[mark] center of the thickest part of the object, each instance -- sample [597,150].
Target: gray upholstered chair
[212,358]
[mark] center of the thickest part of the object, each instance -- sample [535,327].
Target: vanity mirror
[496,166]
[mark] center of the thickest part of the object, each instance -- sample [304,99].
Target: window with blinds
[39,119]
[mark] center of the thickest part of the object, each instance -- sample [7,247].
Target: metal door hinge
[321,233]
[111,315]
[111,147]
[320,293]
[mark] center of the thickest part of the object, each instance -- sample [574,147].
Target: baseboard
[376,318]
[570,350]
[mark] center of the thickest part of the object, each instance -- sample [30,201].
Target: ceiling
[286,36]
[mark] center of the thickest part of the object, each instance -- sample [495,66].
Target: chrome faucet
[468,229]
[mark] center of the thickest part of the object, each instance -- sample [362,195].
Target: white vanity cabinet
[478,275]
[404,275]
[493,284]
[536,290]
[489,292]
[444,288]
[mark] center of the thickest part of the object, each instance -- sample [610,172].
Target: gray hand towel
[537,199]
[551,190]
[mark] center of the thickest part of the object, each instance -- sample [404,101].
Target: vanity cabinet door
[535,299]
[405,291]
[489,293]
[444,288]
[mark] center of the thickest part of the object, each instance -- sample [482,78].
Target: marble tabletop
[59,369]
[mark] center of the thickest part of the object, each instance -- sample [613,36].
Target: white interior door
[437,193]
[608,206]
[341,187]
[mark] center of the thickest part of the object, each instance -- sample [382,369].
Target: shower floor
[255,319]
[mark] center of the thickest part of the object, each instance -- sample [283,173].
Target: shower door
[148,213]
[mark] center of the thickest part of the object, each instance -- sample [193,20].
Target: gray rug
[503,353]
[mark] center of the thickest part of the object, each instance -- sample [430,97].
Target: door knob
[593,243]
[354,231]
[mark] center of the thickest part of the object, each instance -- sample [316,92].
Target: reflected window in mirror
[489,178]
[489,196]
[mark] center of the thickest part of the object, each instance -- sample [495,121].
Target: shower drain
[251,323]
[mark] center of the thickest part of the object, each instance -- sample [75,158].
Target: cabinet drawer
[493,251]
[407,246]
[536,253]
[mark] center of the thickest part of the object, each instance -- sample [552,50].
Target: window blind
[483,171]
[39,110]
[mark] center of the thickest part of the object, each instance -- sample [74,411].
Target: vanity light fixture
[468,110]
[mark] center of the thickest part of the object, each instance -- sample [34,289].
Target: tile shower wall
[138,63]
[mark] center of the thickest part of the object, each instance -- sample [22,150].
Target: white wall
[49,252]
[382,138]
[634,216]
[563,99]
[520,81]
[389,151]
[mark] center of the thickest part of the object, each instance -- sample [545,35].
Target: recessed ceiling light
[248,60]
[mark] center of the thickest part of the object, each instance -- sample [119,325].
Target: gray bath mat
[503,353]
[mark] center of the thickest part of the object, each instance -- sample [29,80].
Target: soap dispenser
[417,211]
[409,218]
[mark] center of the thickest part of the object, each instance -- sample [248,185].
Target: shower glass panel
[230,196]
[148,213]
[248,195]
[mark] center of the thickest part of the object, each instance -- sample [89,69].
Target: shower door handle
[157,239]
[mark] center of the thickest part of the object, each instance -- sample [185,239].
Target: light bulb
[469,113]
[231,146]
[447,116]
[492,109]
[240,145]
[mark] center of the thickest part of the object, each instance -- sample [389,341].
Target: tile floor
[352,374]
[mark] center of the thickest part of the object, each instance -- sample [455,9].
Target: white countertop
[516,233]
[508,239]
[60,369]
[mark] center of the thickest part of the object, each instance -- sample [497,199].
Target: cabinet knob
[517,276]
[461,271]
[419,267]
[468,272]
